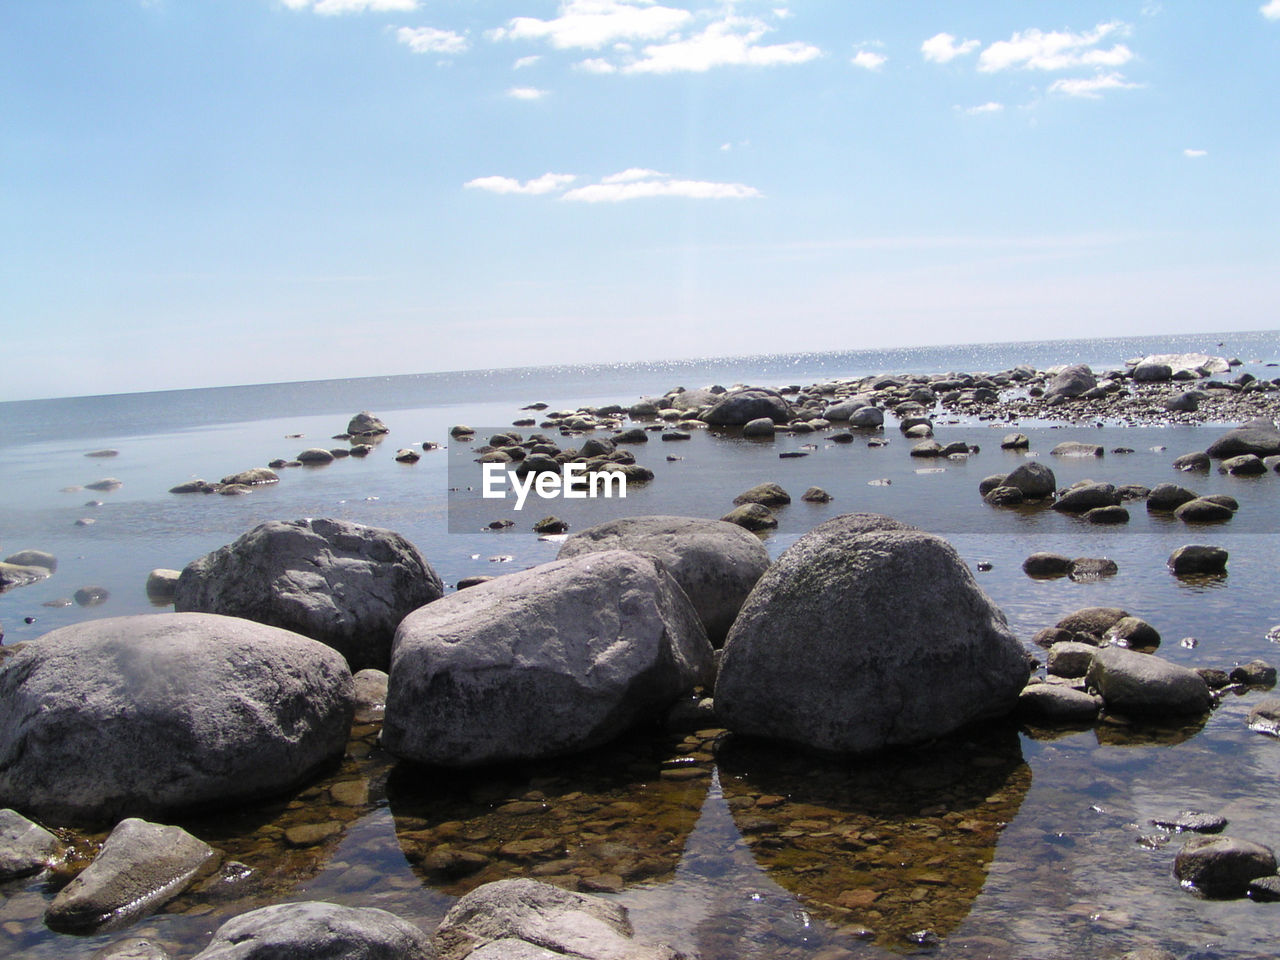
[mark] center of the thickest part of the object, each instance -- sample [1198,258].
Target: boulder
[1074,448]
[521,914]
[342,583]
[253,477]
[1015,441]
[715,563]
[25,847]
[1092,620]
[1086,496]
[1197,559]
[1133,632]
[1203,510]
[1043,565]
[842,411]
[1188,401]
[132,948]
[867,418]
[1222,866]
[1167,497]
[1055,703]
[867,633]
[1084,569]
[315,456]
[1192,461]
[755,517]
[1070,658]
[815,495]
[370,695]
[1150,371]
[1259,437]
[365,424]
[1143,685]
[34,558]
[738,407]
[1035,480]
[762,428]
[317,930]
[18,575]
[543,662]
[1071,382]
[1245,465]
[1004,497]
[162,585]
[144,715]
[141,867]
[1107,515]
[769,494]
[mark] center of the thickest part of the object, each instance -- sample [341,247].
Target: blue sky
[236,191]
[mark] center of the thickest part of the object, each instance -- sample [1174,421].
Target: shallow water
[1003,843]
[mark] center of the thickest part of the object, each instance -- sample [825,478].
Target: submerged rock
[1222,866]
[317,930]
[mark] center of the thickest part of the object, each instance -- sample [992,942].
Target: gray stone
[132,948]
[1070,658]
[1035,480]
[1203,510]
[342,583]
[742,406]
[1004,497]
[992,482]
[1152,372]
[547,661]
[1196,559]
[761,428]
[34,558]
[1055,703]
[752,516]
[1133,632]
[1086,496]
[1192,821]
[1043,565]
[842,411]
[1015,441]
[867,418]
[927,449]
[162,585]
[106,484]
[1222,866]
[1264,717]
[1264,889]
[769,494]
[1192,461]
[839,646]
[365,424]
[1167,497]
[139,716]
[1142,684]
[1074,448]
[715,563]
[568,924]
[25,847]
[1255,673]
[1259,437]
[18,575]
[1071,381]
[370,695]
[1187,401]
[815,495]
[1107,515]
[317,930]
[315,456]
[141,867]
[1093,620]
[1245,465]
[1084,569]
[255,476]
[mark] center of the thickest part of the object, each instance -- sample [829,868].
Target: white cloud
[526,93]
[1092,87]
[332,7]
[596,65]
[990,107]
[592,24]
[642,189]
[1037,50]
[1195,154]
[942,48]
[869,60]
[732,41]
[1270,10]
[631,174]
[525,62]
[431,40]
[547,183]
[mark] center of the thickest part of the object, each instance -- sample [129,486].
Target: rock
[1133,632]
[1093,620]
[1143,685]
[551,525]
[768,494]
[1264,717]
[1167,497]
[1264,889]
[521,913]
[1107,515]
[111,483]
[461,431]
[315,456]
[34,558]
[739,407]
[761,428]
[1203,510]
[257,476]
[1245,465]
[365,424]
[1193,822]
[1152,372]
[1070,659]
[815,495]
[25,847]
[1004,497]
[1188,401]
[1255,673]
[1050,635]
[161,585]
[91,596]
[634,435]
[1192,461]
[1054,703]
[407,455]
[1015,441]
[1222,866]
[927,449]
[141,867]
[820,653]
[1084,569]
[1198,559]
[234,490]
[842,411]
[1073,448]
[472,581]
[715,563]
[1044,565]
[132,948]
[317,930]
[18,575]
[755,517]
[1086,496]
[867,418]
[1035,480]
[992,482]
[146,715]
[1071,382]
[102,454]
[1259,437]
[194,486]
[342,583]
[370,695]
[543,662]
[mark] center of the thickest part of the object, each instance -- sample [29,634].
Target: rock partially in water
[1074,448]
[755,517]
[256,476]
[1245,465]
[1144,685]
[1259,437]
[161,585]
[1070,658]
[543,662]
[365,424]
[132,948]
[34,558]
[1133,632]
[1193,821]
[25,847]
[1255,673]
[487,920]
[1109,515]
[815,495]
[141,867]
[370,695]
[838,646]
[1086,496]
[1192,461]
[715,563]
[1035,480]
[91,596]
[742,406]
[1092,620]
[106,484]
[146,715]
[1071,382]
[1203,510]
[1221,867]
[762,428]
[1167,497]
[344,584]
[1088,569]
[315,456]
[317,930]
[1045,565]
[767,494]
[1055,703]
[20,575]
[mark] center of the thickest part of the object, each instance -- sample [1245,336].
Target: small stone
[816,495]
[1193,821]
[1255,673]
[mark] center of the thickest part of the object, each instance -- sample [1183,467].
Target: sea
[1029,843]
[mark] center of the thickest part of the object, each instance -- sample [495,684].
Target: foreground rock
[1222,866]
[542,662]
[1144,685]
[141,867]
[528,920]
[316,930]
[25,847]
[715,563]
[867,633]
[342,583]
[145,715]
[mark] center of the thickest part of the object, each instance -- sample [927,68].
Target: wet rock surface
[318,930]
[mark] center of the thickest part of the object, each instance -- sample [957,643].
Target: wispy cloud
[869,60]
[1196,154]
[990,107]
[943,48]
[631,174]
[1056,50]
[1091,87]
[731,41]
[1270,10]
[593,24]
[525,62]
[595,65]
[526,93]
[431,40]
[333,7]
[547,183]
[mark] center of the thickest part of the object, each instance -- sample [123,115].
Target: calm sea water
[1063,864]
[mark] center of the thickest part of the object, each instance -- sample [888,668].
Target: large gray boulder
[715,563]
[1144,685]
[317,930]
[738,407]
[141,867]
[513,915]
[1071,381]
[547,661]
[342,583]
[867,633]
[145,715]
[1259,437]
[1033,479]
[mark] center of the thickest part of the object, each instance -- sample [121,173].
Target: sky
[212,192]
